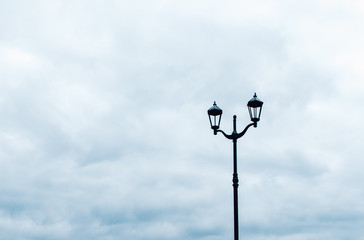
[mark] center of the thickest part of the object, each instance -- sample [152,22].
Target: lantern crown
[255,102]
[214,110]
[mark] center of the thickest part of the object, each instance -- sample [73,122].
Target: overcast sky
[104,132]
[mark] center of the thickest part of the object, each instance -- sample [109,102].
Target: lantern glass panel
[215,121]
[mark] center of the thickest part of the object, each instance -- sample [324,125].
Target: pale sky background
[104,132]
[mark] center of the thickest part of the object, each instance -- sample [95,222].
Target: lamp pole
[255,108]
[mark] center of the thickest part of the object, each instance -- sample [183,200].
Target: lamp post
[255,109]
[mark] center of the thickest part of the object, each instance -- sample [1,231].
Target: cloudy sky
[104,132]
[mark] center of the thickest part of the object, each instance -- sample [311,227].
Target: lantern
[215,116]
[255,108]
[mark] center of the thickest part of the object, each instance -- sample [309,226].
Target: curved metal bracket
[239,135]
[226,135]
[235,135]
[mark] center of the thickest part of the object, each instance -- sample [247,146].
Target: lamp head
[214,113]
[255,108]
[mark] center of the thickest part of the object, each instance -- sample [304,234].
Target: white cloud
[17,58]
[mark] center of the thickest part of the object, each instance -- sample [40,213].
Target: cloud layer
[104,132]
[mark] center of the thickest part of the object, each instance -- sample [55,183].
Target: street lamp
[255,109]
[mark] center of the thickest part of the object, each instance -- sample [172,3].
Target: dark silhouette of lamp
[215,117]
[255,109]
